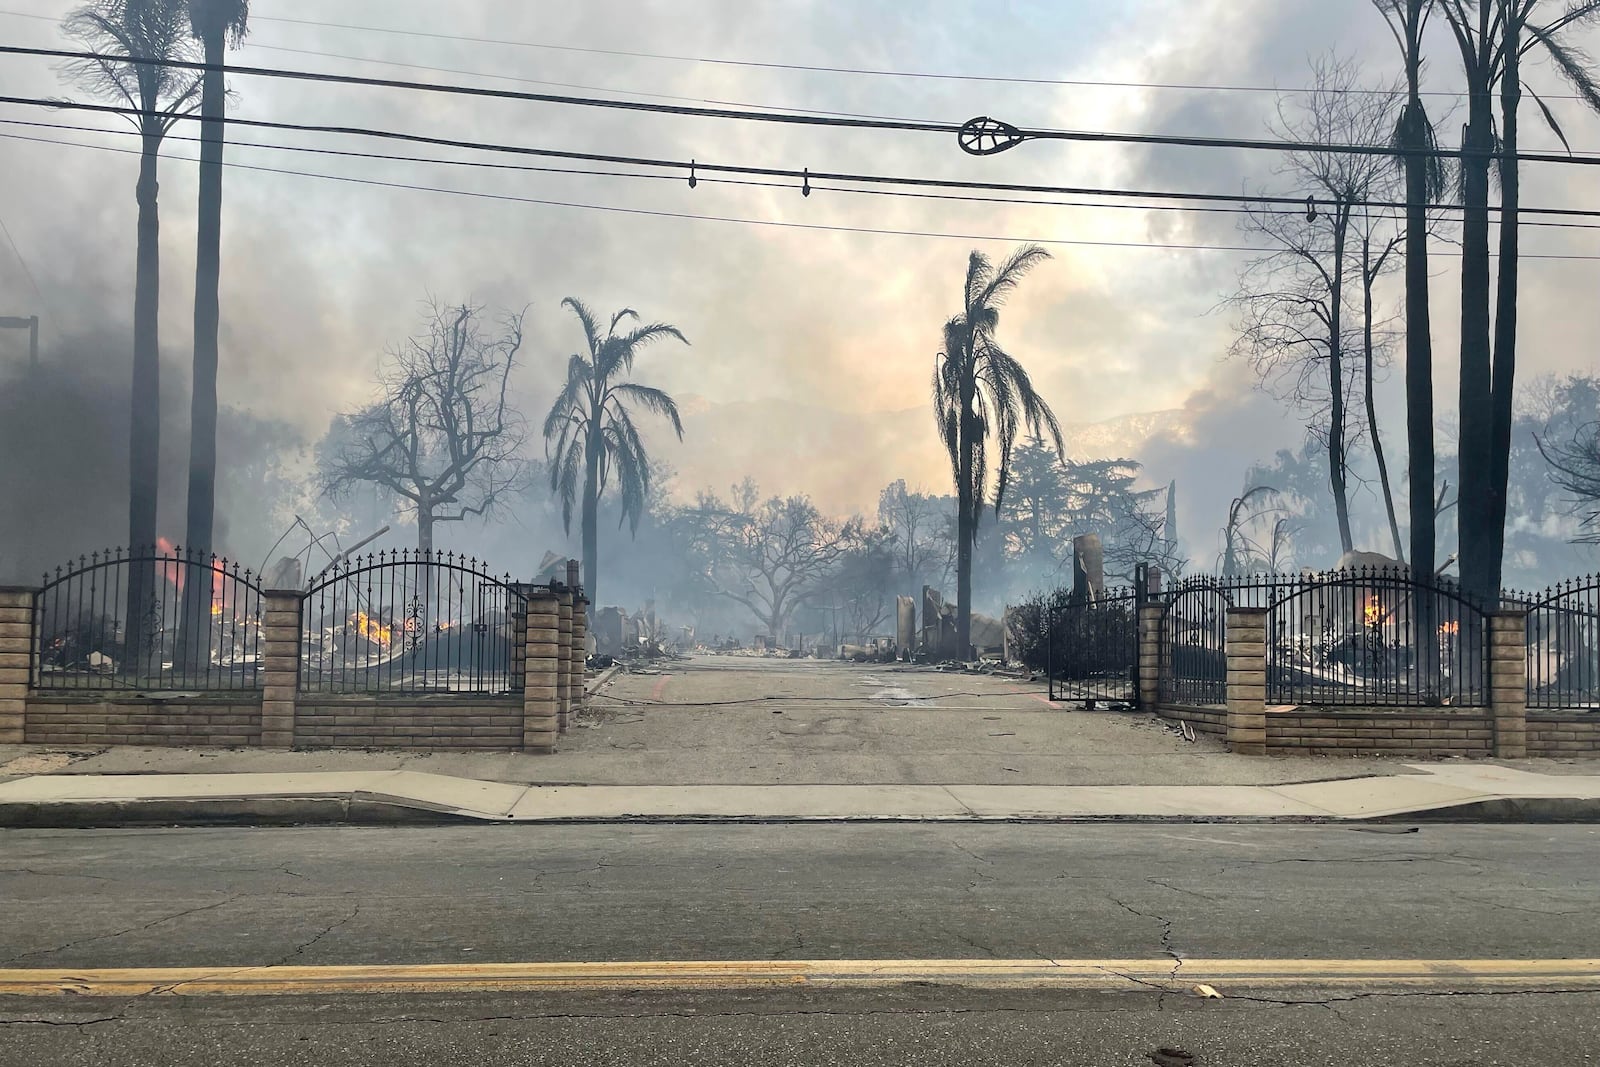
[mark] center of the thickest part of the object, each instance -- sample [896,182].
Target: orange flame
[1448,628]
[174,574]
[1374,611]
[373,630]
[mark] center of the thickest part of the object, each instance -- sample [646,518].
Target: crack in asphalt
[1182,889]
[1474,862]
[1166,947]
[53,874]
[330,928]
[127,930]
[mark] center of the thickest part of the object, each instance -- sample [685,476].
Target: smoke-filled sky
[792,329]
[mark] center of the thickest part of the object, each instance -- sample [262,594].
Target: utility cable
[1089,83]
[775,223]
[787,118]
[693,167]
[477,164]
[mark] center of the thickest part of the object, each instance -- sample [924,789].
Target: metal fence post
[1247,681]
[1508,682]
[16,662]
[280,666]
[540,711]
[564,656]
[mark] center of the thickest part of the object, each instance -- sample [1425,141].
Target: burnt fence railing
[1374,637]
[151,620]
[412,622]
[1093,648]
[1194,643]
[1564,646]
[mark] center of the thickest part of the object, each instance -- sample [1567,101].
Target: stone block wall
[1213,721]
[1551,735]
[466,722]
[217,719]
[1410,732]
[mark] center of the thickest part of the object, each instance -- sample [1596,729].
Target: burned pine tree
[442,437]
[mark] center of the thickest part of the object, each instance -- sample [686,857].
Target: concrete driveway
[762,721]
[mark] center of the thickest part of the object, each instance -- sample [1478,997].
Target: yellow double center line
[1237,976]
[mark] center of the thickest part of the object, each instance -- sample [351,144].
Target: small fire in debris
[1374,611]
[1449,628]
[372,629]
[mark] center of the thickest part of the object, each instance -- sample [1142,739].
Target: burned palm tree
[129,30]
[980,392]
[590,432]
[1493,37]
[1425,182]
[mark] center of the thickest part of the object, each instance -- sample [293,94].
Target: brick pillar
[519,633]
[1151,617]
[1508,682]
[16,662]
[540,712]
[580,653]
[280,665]
[1247,681]
[564,654]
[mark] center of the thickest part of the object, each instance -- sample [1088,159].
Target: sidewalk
[1475,792]
[756,740]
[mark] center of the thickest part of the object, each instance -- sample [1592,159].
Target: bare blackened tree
[1295,325]
[922,546]
[772,556]
[442,437]
[1575,467]
[1242,553]
[159,30]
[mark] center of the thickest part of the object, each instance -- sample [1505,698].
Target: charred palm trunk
[208,272]
[1477,410]
[591,513]
[1421,499]
[144,438]
[966,514]
[1505,324]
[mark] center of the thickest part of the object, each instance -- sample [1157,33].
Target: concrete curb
[366,809]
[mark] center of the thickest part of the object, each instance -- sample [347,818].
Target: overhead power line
[782,118]
[1264,204]
[773,223]
[998,79]
[805,174]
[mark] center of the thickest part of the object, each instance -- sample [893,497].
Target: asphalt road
[235,898]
